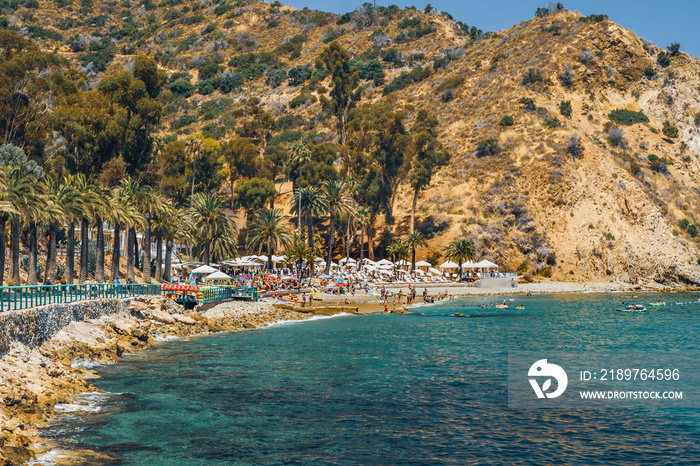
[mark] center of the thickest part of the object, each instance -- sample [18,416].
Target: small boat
[662,303]
[633,308]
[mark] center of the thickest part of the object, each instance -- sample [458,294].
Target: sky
[661,22]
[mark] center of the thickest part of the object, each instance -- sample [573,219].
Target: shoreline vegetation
[35,380]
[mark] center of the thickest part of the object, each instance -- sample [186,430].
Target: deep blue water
[390,389]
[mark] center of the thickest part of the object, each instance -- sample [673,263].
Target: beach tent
[217,276]
[204,269]
[368,261]
[485,265]
[449,265]
[435,271]
[385,262]
[423,264]
[469,265]
[349,260]
[419,272]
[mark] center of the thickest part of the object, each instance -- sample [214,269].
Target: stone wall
[32,327]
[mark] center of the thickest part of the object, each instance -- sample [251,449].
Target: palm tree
[63,203]
[268,227]
[338,202]
[161,220]
[180,227]
[23,199]
[298,252]
[460,250]
[120,214]
[362,219]
[313,204]
[11,187]
[101,210]
[194,148]
[207,211]
[135,197]
[397,249]
[92,205]
[72,215]
[415,239]
[300,155]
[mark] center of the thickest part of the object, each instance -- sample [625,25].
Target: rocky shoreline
[34,380]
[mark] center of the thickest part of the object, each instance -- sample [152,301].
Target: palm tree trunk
[159,254]
[3,241]
[84,250]
[33,250]
[137,256]
[14,251]
[330,244]
[168,255]
[269,255]
[50,272]
[370,244]
[413,210]
[100,253]
[362,246]
[299,211]
[116,252]
[413,260]
[70,253]
[347,243]
[309,222]
[130,254]
[194,166]
[206,251]
[147,250]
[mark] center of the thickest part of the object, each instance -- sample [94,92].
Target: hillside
[574,144]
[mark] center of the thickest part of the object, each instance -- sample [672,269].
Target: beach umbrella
[290,277]
[423,264]
[204,269]
[385,262]
[484,264]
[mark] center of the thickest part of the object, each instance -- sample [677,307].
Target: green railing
[213,295]
[25,297]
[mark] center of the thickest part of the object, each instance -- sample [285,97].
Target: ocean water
[422,389]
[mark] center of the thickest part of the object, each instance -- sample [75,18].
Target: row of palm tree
[40,203]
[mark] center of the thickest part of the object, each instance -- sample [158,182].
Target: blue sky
[661,22]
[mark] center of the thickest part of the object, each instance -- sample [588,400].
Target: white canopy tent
[484,264]
[350,260]
[435,271]
[385,262]
[217,276]
[423,264]
[204,269]
[449,265]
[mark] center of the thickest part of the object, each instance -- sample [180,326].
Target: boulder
[140,334]
[162,317]
[183,319]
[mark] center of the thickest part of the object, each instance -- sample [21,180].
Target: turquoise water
[389,389]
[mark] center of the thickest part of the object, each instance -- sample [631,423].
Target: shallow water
[416,389]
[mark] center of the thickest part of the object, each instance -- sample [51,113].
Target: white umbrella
[401,271]
[368,261]
[423,264]
[385,266]
[449,265]
[435,271]
[204,269]
[278,259]
[349,261]
[385,262]
[217,276]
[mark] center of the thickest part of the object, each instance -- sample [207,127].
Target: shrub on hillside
[507,121]
[528,104]
[674,49]
[417,74]
[532,76]
[567,78]
[451,83]
[616,137]
[663,60]
[552,123]
[669,130]
[565,108]
[487,147]
[182,87]
[276,77]
[649,72]
[181,122]
[657,164]
[302,99]
[627,117]
[574,146]
[299,74]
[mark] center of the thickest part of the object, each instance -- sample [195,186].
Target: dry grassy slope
[597,194]
[532,198]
